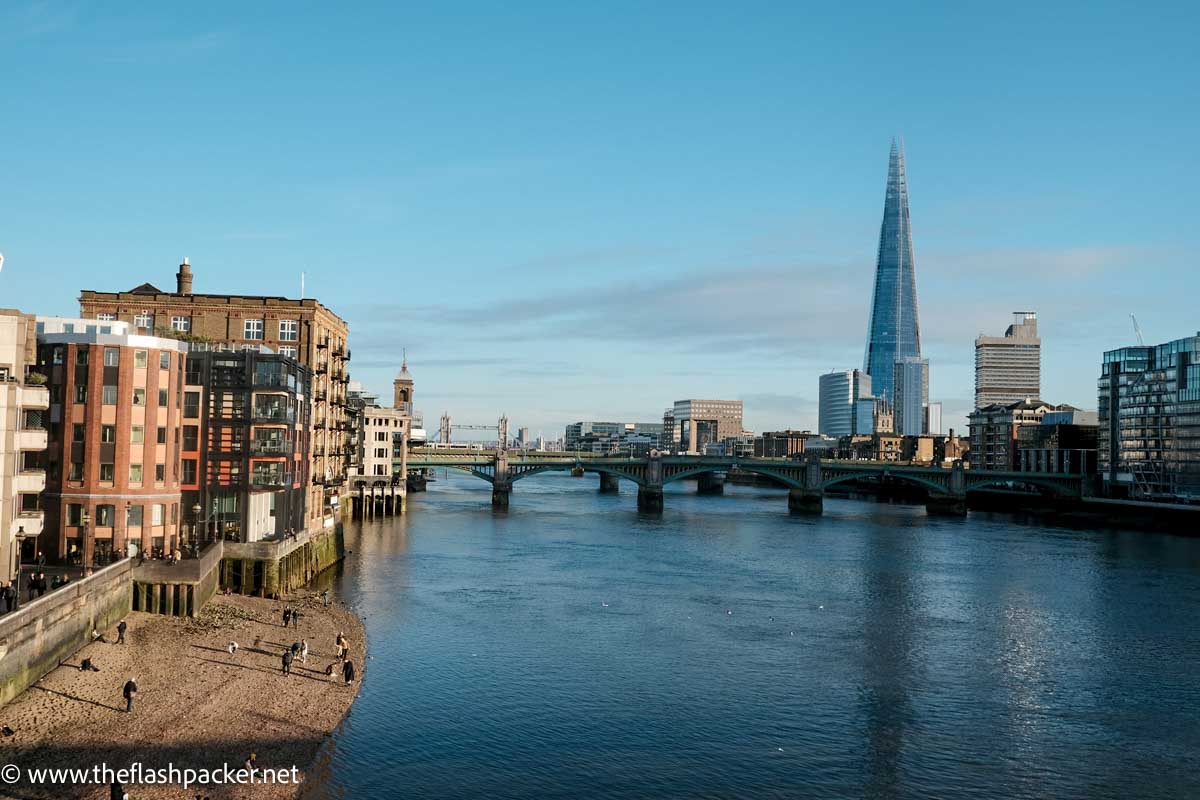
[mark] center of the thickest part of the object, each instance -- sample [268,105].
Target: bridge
[806,481]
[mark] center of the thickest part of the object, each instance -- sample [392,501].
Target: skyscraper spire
[894,331]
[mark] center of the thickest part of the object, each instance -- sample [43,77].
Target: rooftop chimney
[184,278]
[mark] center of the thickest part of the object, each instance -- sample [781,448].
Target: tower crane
[1138,330]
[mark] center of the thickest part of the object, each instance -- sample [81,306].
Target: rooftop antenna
[301,285]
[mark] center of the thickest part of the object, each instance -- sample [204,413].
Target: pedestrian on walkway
[121,628]
[41,584]
[287,616]
[348,672]
[130,690]
[287,662]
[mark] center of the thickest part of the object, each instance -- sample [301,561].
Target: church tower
[402,388]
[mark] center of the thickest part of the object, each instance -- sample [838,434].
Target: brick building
[301,329]
[112,474]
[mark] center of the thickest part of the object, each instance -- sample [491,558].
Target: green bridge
[806,480]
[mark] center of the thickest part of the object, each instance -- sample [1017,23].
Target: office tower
[846,406]
[1008,368]
[701,422]
[894,332]
[911,381]
[1149,417]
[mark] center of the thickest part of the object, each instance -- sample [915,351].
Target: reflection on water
[572,648]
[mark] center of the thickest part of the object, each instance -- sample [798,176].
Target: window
[189,470]
[191,404]
[144,320]
[112,356]
[254,329]
[107,317]
[181,324]
[160,473]
[156,514]
[81,355]
[162,397]
[56,354]
[191,437]
[164,360]
[137,434]
[135,473]
[288,351]
[289,330]
[104,515]
[108,433]
[76,472]
[80,433]
[74,514]
[106,472]
[139,397]
[81,393]
[381,452]
[162,435]
[140,359]
[108,395]
[133,516]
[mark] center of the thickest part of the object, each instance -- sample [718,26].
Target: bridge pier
[806,501]
[650,499]
[710,483]
[609,484]
[946,505]
[500,493]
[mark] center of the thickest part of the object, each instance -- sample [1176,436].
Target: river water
[573,649]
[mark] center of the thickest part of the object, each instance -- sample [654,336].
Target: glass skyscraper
[894,333]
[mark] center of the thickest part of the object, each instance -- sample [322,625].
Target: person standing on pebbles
[121,627]
[129,691]
[287,616]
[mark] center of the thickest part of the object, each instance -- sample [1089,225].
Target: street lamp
[20,537]
[196,509]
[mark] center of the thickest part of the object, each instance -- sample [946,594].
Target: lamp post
[196,509]
[20,537]
[89,547]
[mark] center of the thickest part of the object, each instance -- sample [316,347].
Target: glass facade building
[1149,415]
[894,332]
[846,406]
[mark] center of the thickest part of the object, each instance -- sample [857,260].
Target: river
[574,649]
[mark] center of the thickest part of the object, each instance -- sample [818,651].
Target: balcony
[270,480]
[320,396]
[32,439]
[269,413]
[32,481]
[323,343]
[33,397]
[31,521]
[268,448]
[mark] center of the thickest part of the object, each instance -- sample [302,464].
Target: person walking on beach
[121,628]
[325,597]
[287,662]
[304,651]
[348,672]
[251,764]
[287,616]
[295,619]
[129,691]
[341,646]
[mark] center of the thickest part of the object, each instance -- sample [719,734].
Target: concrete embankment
[198,706]
[40,634]
[268,569]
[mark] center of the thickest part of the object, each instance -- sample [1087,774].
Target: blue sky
[577,211]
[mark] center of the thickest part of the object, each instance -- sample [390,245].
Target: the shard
[894,332]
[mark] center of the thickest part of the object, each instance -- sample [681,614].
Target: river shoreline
[198,707]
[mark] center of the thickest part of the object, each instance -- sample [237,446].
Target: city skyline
[562,240]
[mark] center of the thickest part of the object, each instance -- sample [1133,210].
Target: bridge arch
[1058,487]
[929,486]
